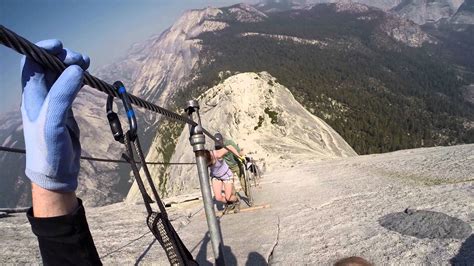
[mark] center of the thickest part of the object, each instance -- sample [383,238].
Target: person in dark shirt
[53,152]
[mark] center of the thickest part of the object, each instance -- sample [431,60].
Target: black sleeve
[65,240]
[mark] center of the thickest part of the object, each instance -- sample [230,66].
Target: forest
[378,94]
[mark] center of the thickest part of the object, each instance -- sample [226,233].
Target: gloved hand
[51,133]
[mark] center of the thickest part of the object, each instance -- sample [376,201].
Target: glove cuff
[50,183]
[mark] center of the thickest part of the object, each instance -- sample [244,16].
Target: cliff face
[465,13]
[425,11]
[264,118]
[162,65]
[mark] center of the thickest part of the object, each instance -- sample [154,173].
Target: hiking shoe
[237,206]
[228,208]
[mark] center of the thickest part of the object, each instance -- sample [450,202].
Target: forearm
[233,150]
[47,203]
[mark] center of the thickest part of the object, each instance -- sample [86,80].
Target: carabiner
[114,121]
[132,119]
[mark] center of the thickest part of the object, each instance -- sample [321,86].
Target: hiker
[236,163]
[249,165]
[221,178]
[53,151]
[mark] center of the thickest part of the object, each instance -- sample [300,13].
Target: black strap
[157,222]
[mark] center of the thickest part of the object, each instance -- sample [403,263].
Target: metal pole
[197,140]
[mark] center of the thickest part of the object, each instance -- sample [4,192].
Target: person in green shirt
[233,161]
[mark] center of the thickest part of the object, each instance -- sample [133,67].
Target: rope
[87,158]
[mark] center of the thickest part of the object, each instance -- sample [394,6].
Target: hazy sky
[102,29]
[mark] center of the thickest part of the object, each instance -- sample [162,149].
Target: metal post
[197,140]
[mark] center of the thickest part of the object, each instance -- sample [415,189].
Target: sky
[102,29]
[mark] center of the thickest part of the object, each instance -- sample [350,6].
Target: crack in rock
[277,239]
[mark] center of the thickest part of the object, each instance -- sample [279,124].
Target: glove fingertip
[53,46]
[68,83]
[71,57]
[74,74]
[87,61]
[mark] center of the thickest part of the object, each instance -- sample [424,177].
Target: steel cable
[25,47]
[41,56]
[87,158]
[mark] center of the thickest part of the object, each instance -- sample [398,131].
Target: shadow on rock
[465,255]
[426,224]
[145,252]
[245,200]
[255,259]
[201,257]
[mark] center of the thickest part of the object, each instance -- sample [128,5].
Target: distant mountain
[284,5]
[465,13]
[418,11]
[427,11]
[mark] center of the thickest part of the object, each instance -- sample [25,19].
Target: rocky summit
[264,118]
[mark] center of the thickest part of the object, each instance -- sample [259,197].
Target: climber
[53,152]
[249,165]
[235,160]
[222,178]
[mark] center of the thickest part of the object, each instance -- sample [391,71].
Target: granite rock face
[405,31]
[316,214]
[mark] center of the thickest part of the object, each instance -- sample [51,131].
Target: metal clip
[132,119]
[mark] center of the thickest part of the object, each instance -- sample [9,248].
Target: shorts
[225,179]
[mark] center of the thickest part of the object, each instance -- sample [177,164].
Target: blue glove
[51,133]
